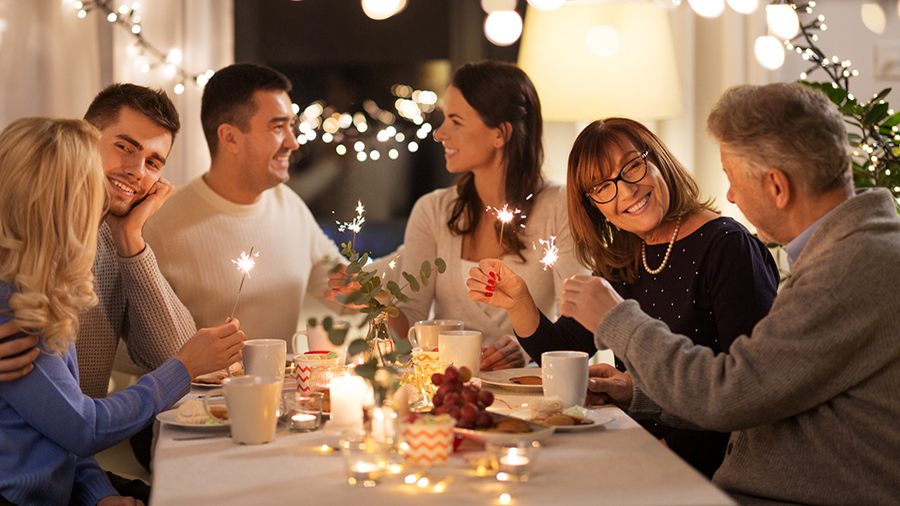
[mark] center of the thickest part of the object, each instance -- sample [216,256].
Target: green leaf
[402,346]
[337,336]
[367,370]
[364,260]
[353,268]
[426,268]
[311,322]
[413,282]
[354,257]
[441,265]
[394,288]
[327,323]
[892,121]
[880,95]
[878,113]
[424,281]
[356,347]
[393,312]
[363,277]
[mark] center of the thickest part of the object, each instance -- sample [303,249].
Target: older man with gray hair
[813,395]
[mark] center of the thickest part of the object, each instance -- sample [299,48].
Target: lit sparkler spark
[244,264]
[392,264]
[505,216]
[551,252]
[356,225]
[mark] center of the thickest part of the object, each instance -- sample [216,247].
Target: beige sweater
[136,305]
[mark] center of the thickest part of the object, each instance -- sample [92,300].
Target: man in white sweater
[242,203]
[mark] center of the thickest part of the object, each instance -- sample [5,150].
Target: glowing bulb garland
[245,264]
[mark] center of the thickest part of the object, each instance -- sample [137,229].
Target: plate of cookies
[523,379]
[191,415]
[507,430]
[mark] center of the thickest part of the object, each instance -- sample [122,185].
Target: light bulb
[382,9]
[546,5]
[873,17]
[769,52]
[783,20]
[744,6]
[708,8]
[179,89]
[603,40]
[490,6]
[503,28]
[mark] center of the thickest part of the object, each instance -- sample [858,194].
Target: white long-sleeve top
[198,233]
[428,237]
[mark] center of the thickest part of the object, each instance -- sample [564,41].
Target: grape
[465,424]
[452,399]
[441,410]
[455,385]
[451,374]
[465,374]
[486,397]
[438,399]
[437,378]
[454,411]
[484,420]
[468,412]
[470,394]
[445,389]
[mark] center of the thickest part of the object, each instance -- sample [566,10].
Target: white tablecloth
[619,463]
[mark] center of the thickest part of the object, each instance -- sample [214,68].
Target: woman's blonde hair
[51,203]
[606,249]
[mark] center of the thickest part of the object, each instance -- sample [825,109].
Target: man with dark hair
[813,394]
[241,202]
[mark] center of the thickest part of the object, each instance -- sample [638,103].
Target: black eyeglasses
[605,191]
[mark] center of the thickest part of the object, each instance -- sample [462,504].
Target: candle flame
[551,252]
[246,262]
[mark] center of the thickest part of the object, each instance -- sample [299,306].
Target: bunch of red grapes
[465,403]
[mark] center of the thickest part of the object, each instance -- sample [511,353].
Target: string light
[126,17]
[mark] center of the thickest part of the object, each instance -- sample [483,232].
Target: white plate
[601,420]
[501,378]
[171,417]
[538,432]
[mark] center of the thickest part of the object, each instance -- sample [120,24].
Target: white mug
[264,357]
[461,348]
[317,340]
[424,334]
[252,403]
[565,374]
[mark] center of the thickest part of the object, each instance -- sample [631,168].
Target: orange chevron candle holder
[304,364]
[427,443]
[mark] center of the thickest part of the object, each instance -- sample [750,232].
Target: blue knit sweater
[49,430]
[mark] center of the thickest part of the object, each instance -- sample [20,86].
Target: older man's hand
[587,299]
[607,384]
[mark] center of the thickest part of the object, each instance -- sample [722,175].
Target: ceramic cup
[424,334]
[309,361]
[317,340]
[264,357]
[461,348]
[252,403]
[565,374]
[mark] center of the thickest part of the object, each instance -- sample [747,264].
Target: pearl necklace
[668,251]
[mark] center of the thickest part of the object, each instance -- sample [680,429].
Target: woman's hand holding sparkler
[340,286]
[493,283]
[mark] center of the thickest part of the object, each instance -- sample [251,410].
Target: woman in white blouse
[492,137]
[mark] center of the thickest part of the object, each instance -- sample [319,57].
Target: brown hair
[228,97]
[155,104]
[789,126]
[609,251]
[502,93]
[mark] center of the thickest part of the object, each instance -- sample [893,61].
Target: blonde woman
[51,204]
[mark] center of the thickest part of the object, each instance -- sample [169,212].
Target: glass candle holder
[365,461]
[320,376]
[515,463]
[303,412]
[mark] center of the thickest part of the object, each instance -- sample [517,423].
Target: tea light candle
[347,395]
[512,458]
[304,422]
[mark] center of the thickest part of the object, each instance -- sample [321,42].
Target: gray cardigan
[813,395]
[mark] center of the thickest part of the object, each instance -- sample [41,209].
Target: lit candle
[303,417]
[347,395]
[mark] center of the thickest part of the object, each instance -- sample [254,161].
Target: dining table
[615,461]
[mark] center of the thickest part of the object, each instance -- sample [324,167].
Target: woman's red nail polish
[491,274]
[489,294]
[491,281]
[489,288]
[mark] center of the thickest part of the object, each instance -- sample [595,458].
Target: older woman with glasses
[637,221]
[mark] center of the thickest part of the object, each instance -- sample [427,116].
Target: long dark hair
[502,93]
[608,250]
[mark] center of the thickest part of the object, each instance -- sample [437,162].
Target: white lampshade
[580,83]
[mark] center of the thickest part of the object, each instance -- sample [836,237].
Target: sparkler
[551,254]
[505,216]
[244,264]
[356,225]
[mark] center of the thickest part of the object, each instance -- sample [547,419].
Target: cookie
[510,426]
[527,380]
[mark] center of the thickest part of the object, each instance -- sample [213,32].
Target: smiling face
[639,207]
[469,144]
[267,145]
[747,192]
[133,151]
